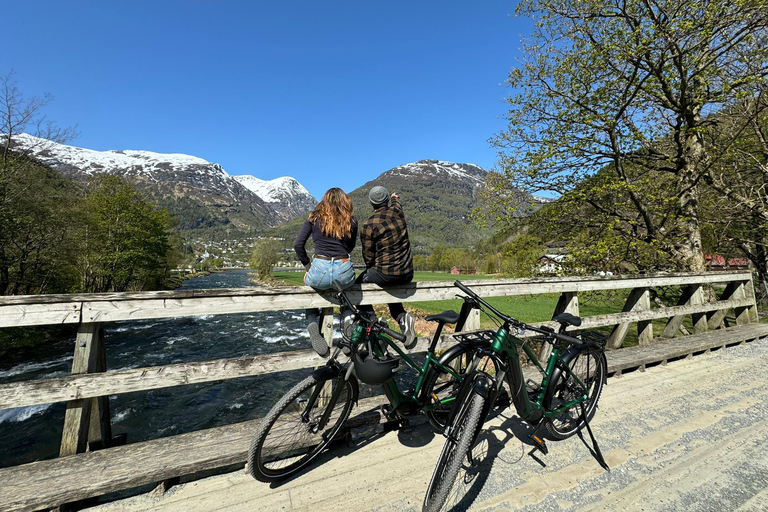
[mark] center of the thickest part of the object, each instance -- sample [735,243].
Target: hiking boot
[318,342]
[407,327]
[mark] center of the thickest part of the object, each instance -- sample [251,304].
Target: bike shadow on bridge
[415,433]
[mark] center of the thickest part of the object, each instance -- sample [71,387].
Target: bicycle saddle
[567,318]
[446,317]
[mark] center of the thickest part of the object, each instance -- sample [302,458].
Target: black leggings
[371,275]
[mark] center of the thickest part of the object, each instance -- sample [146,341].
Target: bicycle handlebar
[517,323]
[392,334]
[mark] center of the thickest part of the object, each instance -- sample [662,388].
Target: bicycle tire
[591,368]
[457,445]
[443,385]
[284,443]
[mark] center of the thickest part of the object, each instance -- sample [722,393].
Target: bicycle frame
[505,352]
[393,392]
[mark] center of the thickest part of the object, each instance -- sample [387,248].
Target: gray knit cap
[378,195]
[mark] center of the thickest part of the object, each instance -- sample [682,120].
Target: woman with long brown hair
[333,228]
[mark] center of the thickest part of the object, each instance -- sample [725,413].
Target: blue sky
[332,93]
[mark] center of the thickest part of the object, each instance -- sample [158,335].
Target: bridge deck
[60,480]
[685,436]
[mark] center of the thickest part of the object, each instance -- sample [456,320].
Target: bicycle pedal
[539,443]
[398,424]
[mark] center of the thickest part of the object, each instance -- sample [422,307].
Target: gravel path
[689,436]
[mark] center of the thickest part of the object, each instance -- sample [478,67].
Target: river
[33,433]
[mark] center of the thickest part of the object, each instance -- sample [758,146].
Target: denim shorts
[323,272]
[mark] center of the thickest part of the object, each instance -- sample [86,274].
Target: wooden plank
[36,309]
[638,300]
[664,349]
[77,387]
[715,319]
[23,315]
[49,483]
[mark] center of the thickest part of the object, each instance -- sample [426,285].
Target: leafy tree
[628,89]
[737,204]
[266,253]
[35,202]
[520,258]
[125,241]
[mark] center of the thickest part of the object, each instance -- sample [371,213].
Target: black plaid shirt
[384,239]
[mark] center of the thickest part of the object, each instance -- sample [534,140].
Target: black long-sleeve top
[324,245]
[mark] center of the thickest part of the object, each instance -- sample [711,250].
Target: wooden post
[699,319]
[674,323]
[715,319]
[473,321]
[77,419]
[639,300]
[100,430]
[693,294]
[568,302]
[750,292]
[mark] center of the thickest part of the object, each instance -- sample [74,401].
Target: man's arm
[394,202]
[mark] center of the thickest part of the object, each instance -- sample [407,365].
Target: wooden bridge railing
[87,390]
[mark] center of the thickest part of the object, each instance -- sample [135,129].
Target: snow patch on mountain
[91,161]
[441,167]
[272,191]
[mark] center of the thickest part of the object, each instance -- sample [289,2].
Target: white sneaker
[407,326]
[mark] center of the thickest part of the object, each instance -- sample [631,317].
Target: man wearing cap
[387,253]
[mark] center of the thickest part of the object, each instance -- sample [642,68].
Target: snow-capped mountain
[437,197]
[285,195]
[200,193]
[438,168]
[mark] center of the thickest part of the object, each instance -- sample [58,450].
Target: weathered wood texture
[48,483]
[77,387]
[105,307]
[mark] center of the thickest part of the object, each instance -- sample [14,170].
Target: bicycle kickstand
[596,449]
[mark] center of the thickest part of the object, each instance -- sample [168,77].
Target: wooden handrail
[29,310]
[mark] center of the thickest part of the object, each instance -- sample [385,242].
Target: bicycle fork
[306,415]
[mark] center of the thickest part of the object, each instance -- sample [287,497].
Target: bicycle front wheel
[458,445]
[591,369]
[289,436]
[443,386]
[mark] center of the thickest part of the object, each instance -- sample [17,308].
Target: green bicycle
[562,403]
[310,415]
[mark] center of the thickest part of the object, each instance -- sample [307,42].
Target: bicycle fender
[326,372]
[483,386]
[330,372]
[459,347]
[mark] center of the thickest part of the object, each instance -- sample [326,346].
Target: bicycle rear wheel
[591,369]
[288,437]
[457,446]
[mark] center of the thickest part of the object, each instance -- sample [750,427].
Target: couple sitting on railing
[386,252]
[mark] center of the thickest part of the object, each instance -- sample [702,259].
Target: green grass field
[528,308]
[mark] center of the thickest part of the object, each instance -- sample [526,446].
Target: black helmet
[373,369]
